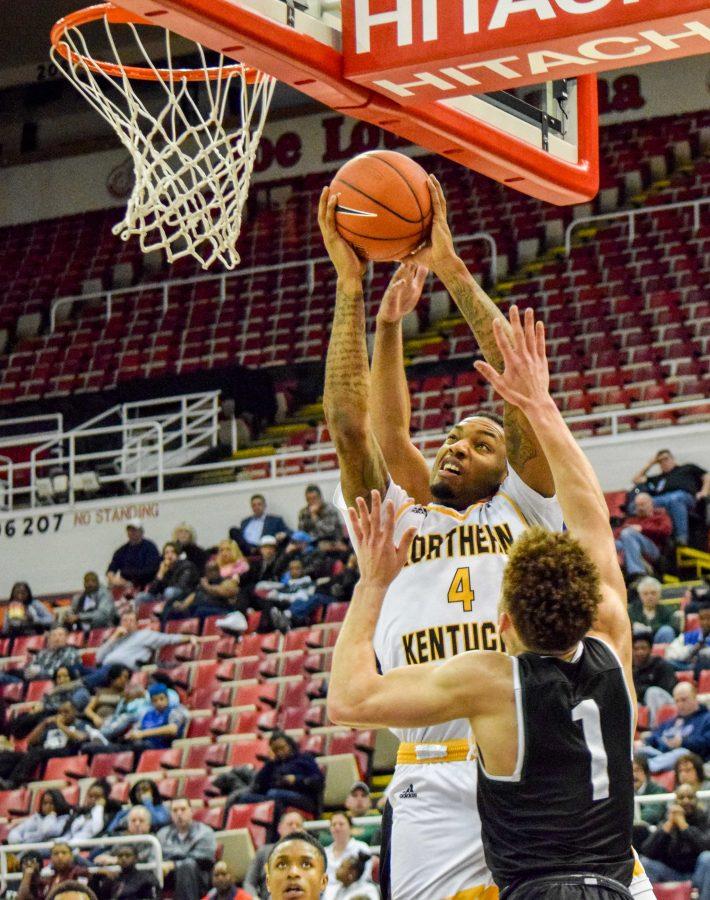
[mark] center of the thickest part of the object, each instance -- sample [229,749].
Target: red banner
[421,50]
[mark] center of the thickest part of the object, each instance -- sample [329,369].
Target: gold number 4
[461,590]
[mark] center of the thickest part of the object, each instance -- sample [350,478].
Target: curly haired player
[553,721]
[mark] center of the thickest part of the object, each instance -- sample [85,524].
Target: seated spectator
[25,615]
[161,723]
[654,678]
[114,721]
[139,822]
[130,646]
[136,562]
[255,878]
[344,846]
[48,823]
[269,566]
[342,585]
[57,653]
[649,612]
[643,536]
[230,559]
[185,538]
[353,883]
[174,580]
[691,650]
[676,489]
[689,732]
[215,595]
[188,852]
[258,525]
[679,849]
[296,866]
[92,608]
[129,883]
[67,686]
[292,601]
[224,885]
[36,887]
[148,812]
[319,519]
[689,770]
[60,735]
[644,785]
[92,819]
[290,778]
[358,803]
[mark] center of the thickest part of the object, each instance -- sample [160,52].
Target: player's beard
[440,490]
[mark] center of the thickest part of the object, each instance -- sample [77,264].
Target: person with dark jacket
[131,883]
[136,562]
[679,849]
[654,678]
[256,526]
[174,580]
[676,489]
[689,731]
[290,778]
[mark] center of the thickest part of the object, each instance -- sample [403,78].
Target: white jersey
[445,599]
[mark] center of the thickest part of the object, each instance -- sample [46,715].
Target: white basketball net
[191,173]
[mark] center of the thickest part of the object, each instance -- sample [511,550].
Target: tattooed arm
[346,399]
[523,449]
[391,410]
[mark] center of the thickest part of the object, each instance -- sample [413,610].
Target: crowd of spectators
[102,703]
[264,571]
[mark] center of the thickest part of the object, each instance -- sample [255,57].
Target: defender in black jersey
[553,719]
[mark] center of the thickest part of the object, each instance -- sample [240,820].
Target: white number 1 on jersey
[587,712]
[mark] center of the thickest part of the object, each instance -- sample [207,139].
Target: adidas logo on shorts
[408,793]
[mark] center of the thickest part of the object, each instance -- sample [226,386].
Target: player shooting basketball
[553,724]
[445,601]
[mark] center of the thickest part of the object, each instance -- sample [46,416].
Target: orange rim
[117,16]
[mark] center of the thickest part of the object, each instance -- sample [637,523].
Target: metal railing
[149,452]
[221,280]
[631,215]
[156,866]
[34,430]
[145,439]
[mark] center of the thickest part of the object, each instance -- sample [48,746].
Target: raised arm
[480,312]
[391,411]
[346,399]
[525,383]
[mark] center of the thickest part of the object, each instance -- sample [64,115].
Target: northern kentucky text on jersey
[463,540]
[443,641]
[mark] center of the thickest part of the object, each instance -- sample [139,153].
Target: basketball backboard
[446,74]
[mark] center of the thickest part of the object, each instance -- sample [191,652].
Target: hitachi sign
[524,68]
[471,17]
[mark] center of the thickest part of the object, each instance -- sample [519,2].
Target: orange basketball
[384,205]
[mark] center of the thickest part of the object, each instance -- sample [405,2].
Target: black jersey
[569,806]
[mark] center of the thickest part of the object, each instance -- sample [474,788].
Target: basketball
[384,205]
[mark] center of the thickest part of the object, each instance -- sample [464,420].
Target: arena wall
[51,547]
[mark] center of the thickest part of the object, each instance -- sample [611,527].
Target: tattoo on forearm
[479,311]
[347,376]
[521,445]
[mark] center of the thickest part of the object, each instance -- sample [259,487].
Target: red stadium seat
[66,767]
[14,803]
[105,764]
[666,712]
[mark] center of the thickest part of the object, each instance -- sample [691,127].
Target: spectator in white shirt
[344,846]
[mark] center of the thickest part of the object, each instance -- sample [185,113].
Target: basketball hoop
[192,171]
